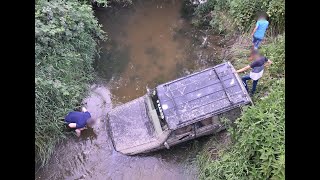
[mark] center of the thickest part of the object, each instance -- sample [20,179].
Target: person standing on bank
[257,67]
[259,30]
[78,120]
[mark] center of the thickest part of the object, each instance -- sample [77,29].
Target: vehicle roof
[202,94]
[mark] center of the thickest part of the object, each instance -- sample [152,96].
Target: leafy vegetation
[258,151]
[258,146]
[230,15]
[276,52]
[66,35]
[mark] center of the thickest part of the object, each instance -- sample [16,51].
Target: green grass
[66,36]
[240,15]
[273,48]
[257,150]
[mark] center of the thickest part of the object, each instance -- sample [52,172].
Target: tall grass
[257,151]
[66,35]
[230,15]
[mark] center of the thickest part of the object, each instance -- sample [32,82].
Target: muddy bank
[93,156]
[149,43]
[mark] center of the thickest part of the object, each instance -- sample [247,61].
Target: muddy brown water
[149,43]
[93,156]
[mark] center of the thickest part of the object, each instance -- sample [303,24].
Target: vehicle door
[181,135]
[208,126]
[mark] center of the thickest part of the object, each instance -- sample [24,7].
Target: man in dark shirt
[79,120]
[257,67]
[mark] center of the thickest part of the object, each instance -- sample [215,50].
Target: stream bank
[150,43]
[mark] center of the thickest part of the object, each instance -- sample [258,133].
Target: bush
[205,8]
[259,150]
[276,12]
[245,12]
[65,46]
[221,22]
[242,13]
[276,52]
[219,18]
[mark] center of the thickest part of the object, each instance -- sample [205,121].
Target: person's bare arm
[78,131]
[72,125]
[243,69]
[268,63]
[255,28]
[83,128]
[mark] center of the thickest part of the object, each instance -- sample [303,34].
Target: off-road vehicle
[177,111]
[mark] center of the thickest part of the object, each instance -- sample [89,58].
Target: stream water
[149,43]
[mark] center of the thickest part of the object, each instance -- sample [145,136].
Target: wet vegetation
[257,149]
[66,36]
[66,39]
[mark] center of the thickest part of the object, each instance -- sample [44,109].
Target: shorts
[256,42]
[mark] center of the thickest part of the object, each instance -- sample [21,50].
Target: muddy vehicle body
[177,111]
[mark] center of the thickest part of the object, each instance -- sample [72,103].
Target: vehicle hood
[129,125]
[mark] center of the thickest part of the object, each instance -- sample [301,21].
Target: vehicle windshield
[155,110]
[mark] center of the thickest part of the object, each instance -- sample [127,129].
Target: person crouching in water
[257,67]
[79,120]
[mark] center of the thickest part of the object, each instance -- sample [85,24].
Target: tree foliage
[66,34]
